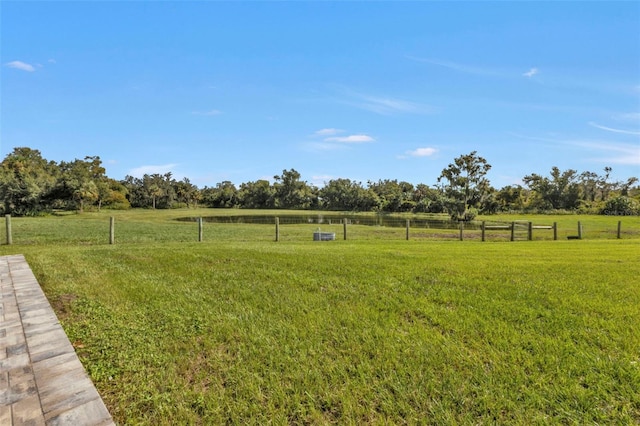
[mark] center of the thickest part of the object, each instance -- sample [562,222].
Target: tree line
[31,185]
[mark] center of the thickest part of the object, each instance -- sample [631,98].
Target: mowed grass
[249,331]
[149,226]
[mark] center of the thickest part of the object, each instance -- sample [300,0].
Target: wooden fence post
[530,233]
[579,230]
[344,228]
[112,231]
[619,229]
[555,231]
[461,230]
[483,230]
[277,229]
[200,230]
[407,229]
[9,236]
[513,231]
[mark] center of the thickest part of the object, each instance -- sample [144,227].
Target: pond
[436,222]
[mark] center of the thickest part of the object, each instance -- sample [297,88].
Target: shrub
[621,206]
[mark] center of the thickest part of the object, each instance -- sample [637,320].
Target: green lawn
[149,226]
[376,329]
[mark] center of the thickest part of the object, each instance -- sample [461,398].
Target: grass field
[375,329]
[148,226]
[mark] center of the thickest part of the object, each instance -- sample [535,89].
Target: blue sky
[240,91]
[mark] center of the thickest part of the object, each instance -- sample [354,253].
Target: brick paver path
[42,381]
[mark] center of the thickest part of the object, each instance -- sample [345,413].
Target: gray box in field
[324,236]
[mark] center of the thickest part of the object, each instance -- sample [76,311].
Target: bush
[119,206]
[590,207]
[177,205]
[621,206]
[467,216]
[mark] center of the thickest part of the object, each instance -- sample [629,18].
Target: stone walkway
[42,381]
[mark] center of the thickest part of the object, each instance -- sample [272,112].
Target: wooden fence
[514,231]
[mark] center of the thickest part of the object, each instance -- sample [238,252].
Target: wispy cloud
[19,65]
[464,68]
[209,113]
[328,132]
[474,69]
[605,151]
[630,116]
[388,106]
[152,169]
[419,152]
[422,152]
[52,61]
[331,142]
[351,139]
[612,152]
[382,105]
[611,129]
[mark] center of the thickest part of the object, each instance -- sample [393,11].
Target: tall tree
[257,195]
[113,194]
[26,181]
[394,196]
[293,193]
[560,192]
[589,185]
[155,191]
[626,186]
[186,192]
[82,182]
[348,195]
[223,195]
[159,189]
[510,197]
[428,200]
[465,185]
[604,184]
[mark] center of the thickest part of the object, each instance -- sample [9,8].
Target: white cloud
[209,113]
[610,129]
[382,105]
[328,132]
[388,105]
[331,142]
[419,152]
[473,69]
[19,65]
[52,61]
[606,151]
[422,152]
[351,139]
[630,116]
[614,153]
[151,169]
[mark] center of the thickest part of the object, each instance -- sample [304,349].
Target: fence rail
[102,231]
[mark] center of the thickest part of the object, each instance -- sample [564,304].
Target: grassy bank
[246,330]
